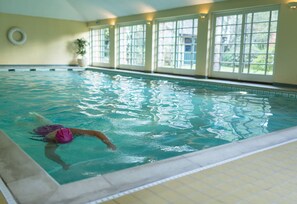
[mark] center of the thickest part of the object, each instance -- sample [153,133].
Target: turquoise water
[148,119]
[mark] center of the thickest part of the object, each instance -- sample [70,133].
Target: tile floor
[265,177]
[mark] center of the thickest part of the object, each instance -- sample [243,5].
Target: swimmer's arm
[94,133]
[50,152]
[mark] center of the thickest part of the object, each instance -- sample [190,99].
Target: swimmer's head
[64,135]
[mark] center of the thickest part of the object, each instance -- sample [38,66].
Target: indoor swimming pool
[148,118]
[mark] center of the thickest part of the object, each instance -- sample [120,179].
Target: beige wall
[49,41]
[286,50]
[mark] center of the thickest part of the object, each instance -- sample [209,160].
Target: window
[176,44]
[100,45]
[132,45]
[244,43]
[259,42]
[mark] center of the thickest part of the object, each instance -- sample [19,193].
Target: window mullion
[251,43]
[175,47]
[192,43]
[92,46]
[235,45]
[157,46]
[132,39]
[100,44]
[144,43]
[267,42]
[242,44]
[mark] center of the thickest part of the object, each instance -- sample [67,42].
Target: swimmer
[60,134]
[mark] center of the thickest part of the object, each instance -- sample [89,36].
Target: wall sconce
[149,22]
[112,24]
[292,5]
[202,15]
[97,22]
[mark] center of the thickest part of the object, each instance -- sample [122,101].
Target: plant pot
[82,62]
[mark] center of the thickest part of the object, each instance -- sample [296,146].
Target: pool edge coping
[192,78]
[108,186]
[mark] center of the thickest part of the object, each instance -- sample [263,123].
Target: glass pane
[249,17]
[248,28]
[258,59]
[270,59]
[227,67]
[274,15]
[219,21]
[227,58]
[245,68]
[269,70]
[237,49]
[260,38]
[230,29]
[217,57]
[218,39]
[246,58]
[260,27]
[259,48]
[271,48]
[261,16]
[273,26]
[257,69]
[216,66]
[230,20]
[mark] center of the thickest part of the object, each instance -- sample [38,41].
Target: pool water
[148,119]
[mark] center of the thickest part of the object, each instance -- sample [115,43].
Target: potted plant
[81,45]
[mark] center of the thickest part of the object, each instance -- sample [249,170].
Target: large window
[132,45]
[176,43]
[244,43]
[100,45]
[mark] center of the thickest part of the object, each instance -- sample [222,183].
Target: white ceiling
[90,10]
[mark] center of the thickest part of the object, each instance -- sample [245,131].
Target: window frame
[99,62]
[118,46]
[241,75]
[175,69]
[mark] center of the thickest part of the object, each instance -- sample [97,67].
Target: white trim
[131,67]
[246,10]
[174,18]
[130,23]
[6,193]
[176,71]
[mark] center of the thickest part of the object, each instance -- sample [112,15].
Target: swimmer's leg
[40,119]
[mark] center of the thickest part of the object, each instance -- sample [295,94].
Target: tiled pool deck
[265,177]
[257,170]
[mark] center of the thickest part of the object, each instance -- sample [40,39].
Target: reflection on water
[148,119]
[160,104]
